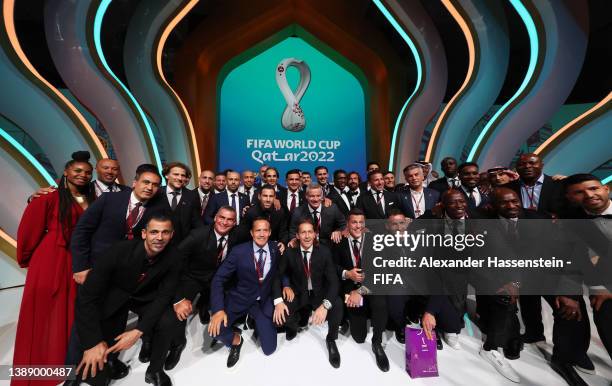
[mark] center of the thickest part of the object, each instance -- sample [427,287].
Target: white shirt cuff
[178,302]
[278,301]
[344,274]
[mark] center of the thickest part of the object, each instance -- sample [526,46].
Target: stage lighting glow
[417,59]
[99,17]
[534,49]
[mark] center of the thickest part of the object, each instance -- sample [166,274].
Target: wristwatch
[327,304]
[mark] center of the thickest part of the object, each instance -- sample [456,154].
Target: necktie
[204,202]
[315,221]
[234,202]
[356,253]
[513,235]
[306,266]
[379,201]
[174,200]
[455,229]
[293,202]
[260,264]
[131,220]
[472,199]
[220,248]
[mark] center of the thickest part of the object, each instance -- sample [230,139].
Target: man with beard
[219,182]
[293,196]
[339,192]
[230,197]
[264,208]
[247,188]
[322,174]
[354,190]
[205,190]
[450,179]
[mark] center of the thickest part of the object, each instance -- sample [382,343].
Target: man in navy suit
[469,177]
[252,268]
[230,197]
[416,199]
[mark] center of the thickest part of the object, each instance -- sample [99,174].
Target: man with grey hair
[415,199]
[328,221]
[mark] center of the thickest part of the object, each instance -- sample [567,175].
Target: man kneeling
[311,284]
[133,276]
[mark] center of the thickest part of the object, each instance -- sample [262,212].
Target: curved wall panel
[72,30]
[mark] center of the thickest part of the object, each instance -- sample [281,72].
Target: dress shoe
[585,365]
[532,339]
[567,372]
[145,350]
[290,334]
[117,369]
[204,317]
[439,345]
[334,354]
[344,327]
[234,354]
[174,356]
[497,360]
[73,382]
[400,335]
[158,378]
[381,358]
[513,349]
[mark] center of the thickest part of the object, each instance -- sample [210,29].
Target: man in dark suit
[416,199]
[376,203]
[293,197]
[132,276]
[254,268]
[271,178]
[322,174]
[264,208]
[539,193]
[230,197]
[328,221]
[450,179]
[107,171]
[312,285]
[205,190]
[469,177]
[338,194]
[348,256]
[204,250]
[354,190]
[220,182]
[183,203]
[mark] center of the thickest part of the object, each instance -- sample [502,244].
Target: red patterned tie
[131,220]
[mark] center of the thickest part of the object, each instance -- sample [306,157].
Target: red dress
[47,306]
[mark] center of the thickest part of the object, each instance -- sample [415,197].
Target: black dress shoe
[73,382]
[145,350]
[400,335]
[334,354]
[117,369]
[290,334]
[568,373]
[204,317]
[344,327]
[532,339]
[439,344]
[234,354]
[158,378]
[174,356]
[381,358]
[513,349]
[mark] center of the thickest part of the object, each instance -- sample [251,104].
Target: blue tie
[260,263]
[234,202]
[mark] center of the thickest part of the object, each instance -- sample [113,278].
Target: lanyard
[417,210]
[531,196]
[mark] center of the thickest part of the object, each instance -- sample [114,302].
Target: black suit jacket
[325,283]
[551,196]
[441,185]
[282,197]
[331,220]
[278,224]
[367,203]
[186,215]
[343,258]
[484,199]
[115,280]
[337,199]
[200,252]
[102,225]
[219,200]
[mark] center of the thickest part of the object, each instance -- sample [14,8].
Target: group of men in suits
[242,245]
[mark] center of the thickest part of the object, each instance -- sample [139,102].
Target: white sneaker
[451,340]
[499,362]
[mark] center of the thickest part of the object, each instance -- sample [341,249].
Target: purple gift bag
[421,354]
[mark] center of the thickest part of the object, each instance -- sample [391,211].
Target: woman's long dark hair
[65,196]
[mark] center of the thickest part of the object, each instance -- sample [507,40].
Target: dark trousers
[531,314]
[115,325]
[603,321]
[571,338]
[263,326]
[498,319]
[300,310]
[376,307]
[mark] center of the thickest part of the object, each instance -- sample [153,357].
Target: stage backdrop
[251,108]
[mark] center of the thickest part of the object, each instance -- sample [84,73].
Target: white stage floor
[303,361]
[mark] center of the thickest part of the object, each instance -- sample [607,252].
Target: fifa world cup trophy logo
[293,117]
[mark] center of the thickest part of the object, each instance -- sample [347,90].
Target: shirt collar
[219,236]
[453,219]
[311,209]
[134,200]
[539,181]
[608,210]
[169,190]
[309,250]
[257,247]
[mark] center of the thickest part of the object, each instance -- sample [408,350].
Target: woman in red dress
[43,246]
